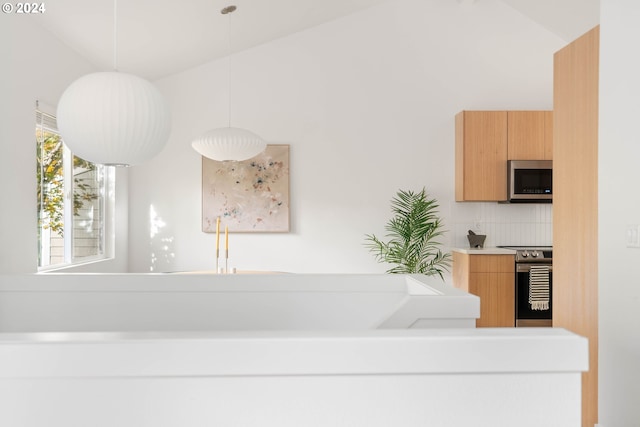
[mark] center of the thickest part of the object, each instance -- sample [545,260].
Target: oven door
[525,316]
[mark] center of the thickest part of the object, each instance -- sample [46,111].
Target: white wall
[367,103]
[35,66]
[619,205]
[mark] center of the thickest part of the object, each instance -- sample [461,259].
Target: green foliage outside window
[50,176]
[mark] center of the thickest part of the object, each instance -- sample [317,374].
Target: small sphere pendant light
[114,118]
[229,143]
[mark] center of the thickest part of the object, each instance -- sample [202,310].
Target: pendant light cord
[228,13]
[115,35]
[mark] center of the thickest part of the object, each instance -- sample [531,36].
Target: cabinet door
[527,135]
[492,264]
[548,135]
[481,156]
[497,298]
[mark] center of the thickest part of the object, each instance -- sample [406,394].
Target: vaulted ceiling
[159,38]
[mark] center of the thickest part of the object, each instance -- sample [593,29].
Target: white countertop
[485,251]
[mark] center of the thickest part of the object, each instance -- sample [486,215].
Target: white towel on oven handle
[539,287]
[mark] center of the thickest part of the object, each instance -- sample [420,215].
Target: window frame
[107,204]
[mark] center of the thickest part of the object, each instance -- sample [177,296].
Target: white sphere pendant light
[229,143]
[114,118]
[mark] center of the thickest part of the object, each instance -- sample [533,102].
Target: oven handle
[525,268]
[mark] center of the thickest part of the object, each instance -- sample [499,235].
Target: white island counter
[273,350]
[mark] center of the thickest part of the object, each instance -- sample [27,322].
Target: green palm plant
[413,232]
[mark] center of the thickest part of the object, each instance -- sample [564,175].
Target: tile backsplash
[503,224]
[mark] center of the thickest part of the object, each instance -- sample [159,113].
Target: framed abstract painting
[248,196]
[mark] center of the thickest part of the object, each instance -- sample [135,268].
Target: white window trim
[108,252]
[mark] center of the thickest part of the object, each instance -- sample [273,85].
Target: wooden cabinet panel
[497,298]
[526,135]
[575,202]
[481,156]
[548,135]
[491,264]
[492,278]
[460,271]
[485,140]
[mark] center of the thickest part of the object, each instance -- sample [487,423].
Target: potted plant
[413,233]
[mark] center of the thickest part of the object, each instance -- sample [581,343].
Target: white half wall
[35,66]
[502,377]
[367,103]
[618,207]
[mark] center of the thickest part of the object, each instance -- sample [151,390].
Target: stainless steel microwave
[530,181]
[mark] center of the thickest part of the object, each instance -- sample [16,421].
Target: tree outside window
[70,201]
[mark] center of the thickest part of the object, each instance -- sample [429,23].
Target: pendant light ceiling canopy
[229,143]
[114,118]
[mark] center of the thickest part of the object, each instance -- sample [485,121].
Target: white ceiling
[568,19]
[156,38]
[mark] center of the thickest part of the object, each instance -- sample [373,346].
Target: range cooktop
[532,253]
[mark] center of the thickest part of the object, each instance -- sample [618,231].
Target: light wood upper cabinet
[530,135]
[481,156]
[485,140]
[548,135]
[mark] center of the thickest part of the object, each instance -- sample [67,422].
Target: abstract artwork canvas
[248,196]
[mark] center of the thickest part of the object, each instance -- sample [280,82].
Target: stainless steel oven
[526,258]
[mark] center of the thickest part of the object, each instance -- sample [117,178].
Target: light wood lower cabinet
[492,278]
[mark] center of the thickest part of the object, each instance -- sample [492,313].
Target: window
[71,201]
